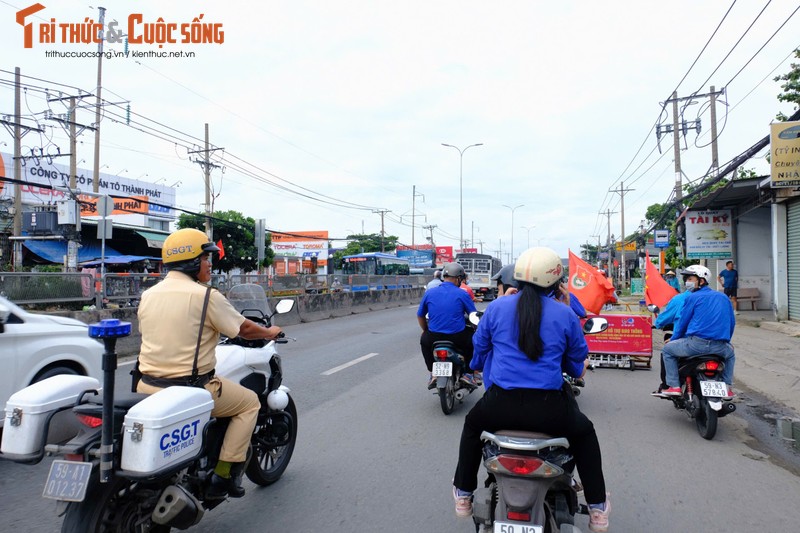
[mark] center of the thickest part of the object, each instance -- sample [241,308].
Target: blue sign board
[661,239]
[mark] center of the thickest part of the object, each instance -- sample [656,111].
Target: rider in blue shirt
[446,307]
[531,337]
[705,326]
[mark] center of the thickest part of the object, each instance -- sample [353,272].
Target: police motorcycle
[143,463]
[703,389]
[530,488]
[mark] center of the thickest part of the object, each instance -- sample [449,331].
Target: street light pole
[461,188]
[529,228]
[511,259]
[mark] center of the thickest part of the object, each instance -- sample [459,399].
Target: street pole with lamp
[461,188]
[529,228]
[512,228]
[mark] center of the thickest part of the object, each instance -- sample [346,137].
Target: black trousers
[462,340]
[546,411]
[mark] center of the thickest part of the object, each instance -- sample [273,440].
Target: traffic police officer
[169,320]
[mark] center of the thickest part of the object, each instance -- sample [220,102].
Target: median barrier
[308,308]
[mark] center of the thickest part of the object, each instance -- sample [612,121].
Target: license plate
[713,389]
[505,527]
[442,370]
[67,481]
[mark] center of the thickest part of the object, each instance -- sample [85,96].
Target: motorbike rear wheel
[118,507]
[269,461]
[706,419]
[447,395]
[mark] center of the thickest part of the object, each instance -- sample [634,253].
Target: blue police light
[109,328]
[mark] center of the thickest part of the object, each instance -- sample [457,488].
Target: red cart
[626,343]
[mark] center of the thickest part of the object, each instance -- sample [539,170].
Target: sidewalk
[768,357]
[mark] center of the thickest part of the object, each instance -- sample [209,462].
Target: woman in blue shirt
[531,338]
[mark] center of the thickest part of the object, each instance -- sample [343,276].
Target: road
[375,452]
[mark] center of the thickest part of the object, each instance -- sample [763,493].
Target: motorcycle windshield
[249,297]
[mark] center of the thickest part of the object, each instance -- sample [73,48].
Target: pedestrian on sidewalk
[729,278]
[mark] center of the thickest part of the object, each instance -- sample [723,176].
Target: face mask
[690,285]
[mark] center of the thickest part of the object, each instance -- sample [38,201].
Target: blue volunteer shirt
[445,306]
[707,314]
[497,338]
[672,312]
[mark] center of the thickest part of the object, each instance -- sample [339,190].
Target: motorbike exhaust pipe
[727,408]
[177,508]
[460,395]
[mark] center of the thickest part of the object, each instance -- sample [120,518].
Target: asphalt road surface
[376,453]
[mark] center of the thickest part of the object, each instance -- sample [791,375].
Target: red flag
[221,249]
[591,288]
[656,289]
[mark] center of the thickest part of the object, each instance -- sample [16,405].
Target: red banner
[626,335]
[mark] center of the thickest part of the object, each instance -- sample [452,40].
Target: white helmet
[540,266]
[698,270]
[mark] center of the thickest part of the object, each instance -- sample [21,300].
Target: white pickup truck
[35,346]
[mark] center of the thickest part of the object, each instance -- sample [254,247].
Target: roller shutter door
[793,256]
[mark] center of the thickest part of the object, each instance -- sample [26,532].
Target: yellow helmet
[186,244]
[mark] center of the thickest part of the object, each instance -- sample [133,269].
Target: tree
[237,234]
[790,87]
[363,243]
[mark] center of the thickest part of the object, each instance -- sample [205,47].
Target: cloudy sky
[327,113]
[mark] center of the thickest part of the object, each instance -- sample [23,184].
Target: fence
[125,289]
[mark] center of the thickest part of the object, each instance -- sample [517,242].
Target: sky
[323,115]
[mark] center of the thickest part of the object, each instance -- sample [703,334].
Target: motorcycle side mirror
[653,308]
[595,325]
[475,317]
[284,306]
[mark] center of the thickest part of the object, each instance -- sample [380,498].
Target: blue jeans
[691,346]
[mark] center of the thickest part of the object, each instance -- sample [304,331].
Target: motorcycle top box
[164,428]
[29,415]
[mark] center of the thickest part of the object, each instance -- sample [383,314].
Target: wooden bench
[747,295]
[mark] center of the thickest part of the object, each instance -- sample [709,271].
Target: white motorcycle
[139,463]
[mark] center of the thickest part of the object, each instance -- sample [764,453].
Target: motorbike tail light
[710,368]
[520,465]
[521,517]
[73,457]
[441,354]
[90,421]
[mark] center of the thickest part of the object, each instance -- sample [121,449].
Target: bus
[362,271]
[480,268]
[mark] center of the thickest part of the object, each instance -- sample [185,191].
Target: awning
[120,260]
[154,240]
[54,251]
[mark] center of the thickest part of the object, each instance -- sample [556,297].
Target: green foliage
[790,87]
[364,243]
[237,234]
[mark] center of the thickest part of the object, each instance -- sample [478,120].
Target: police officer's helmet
[540,266]
[453,270]
[506,276]
[184,248]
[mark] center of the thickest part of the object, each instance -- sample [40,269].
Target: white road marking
[347,365]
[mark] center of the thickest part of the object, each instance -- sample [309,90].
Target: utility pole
[381,212]
[481,243]
[714,153]
[207,166]
[69,124]
[622,190]
[676,152]
[98,102]
[472,238]
[413,211]
[609,244]
[430,228]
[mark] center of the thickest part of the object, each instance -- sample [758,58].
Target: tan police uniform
[169,319]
